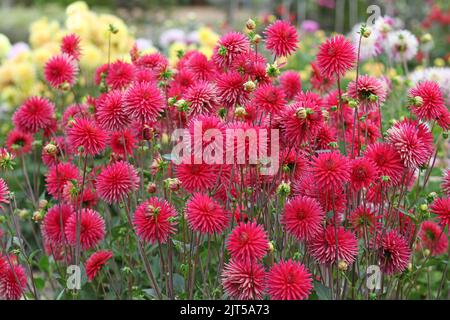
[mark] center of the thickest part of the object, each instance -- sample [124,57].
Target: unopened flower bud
[423,207]
[51,149]
[302,113]
[410,267]
[272,70]
[431,196]
[445,134]
[173,184]
[23,214]
[373,97]
[333,108]
[426,252]
[151,187]
[416,101]
[250,24]
[366,32]
[2,219]
[249,86]
[240,112]
[342,265]
[42,203]
[426,38]
[284,189]
[271,247]
[352,103]
[256,39]
[171,101]
[38,216]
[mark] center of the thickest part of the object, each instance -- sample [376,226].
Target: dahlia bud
[151,187]
[272,70]
[113,29]
[284,189]
[256,39]
[249,86]
[250,24]
[172,183]
[445,134]
[416,101]
[410,267]
[302,113]
[165,138]
[439,62]
[6,160]
[373,97]
[325,114]
[342,265]
[182,105]
[271,247]
[385,178]
[38,216]
[426,252]
[171,101]
[423,207]
[353,103]
[23,214]
[333,108]
[51,149]
[2,219]
[43,203]
[222,51]
[426,38]
[240,112]
[365,31]
[333,145]
[431,196]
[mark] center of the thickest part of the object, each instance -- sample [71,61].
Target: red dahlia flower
[92,229]
[70,44]
[393,252]
[61,69]
[336,56]
[54,223]
[441,207]
[289,280]
[35,114]
[331,244]
[206,215]
[433,238]
[244,280]
[330,170]
[86,137]
[248,241]
[110,111]
[281,38]
[116,181]
[13,281]
[144,101]
[413,141]
[96,262]
[18,142]
[303,217]
[154,220]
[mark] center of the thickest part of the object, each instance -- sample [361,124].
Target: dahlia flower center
[243,238]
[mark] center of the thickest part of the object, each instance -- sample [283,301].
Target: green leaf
[178,282]
[39,283]
[324,293]
[44,264]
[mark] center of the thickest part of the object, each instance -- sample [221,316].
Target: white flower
[370,47]
[401,45]
[170,36]
[440,75]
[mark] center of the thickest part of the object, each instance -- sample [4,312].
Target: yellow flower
[92,57]
[439,62]
[24,73]
[43,31]
[207,37]
[43,54]
[77,7]
[5,46]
